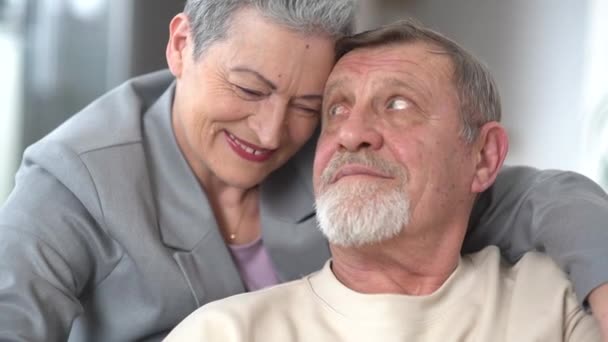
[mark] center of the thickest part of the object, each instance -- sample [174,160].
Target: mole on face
[307,46]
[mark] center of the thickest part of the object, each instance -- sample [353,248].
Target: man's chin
[355,217]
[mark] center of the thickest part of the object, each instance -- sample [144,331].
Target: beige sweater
[483,300]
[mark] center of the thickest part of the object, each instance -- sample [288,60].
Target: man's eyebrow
[334,85]
[398,82]
[379,83]
[256,74]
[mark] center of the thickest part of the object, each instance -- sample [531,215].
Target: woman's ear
[178,45]
[491,148]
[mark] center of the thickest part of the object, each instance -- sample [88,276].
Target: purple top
[254,265]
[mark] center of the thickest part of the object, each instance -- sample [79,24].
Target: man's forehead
[396,56]
[411,61]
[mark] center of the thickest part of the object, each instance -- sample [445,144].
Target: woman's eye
[336,109]
[309,111]
[249,92]
[398,104]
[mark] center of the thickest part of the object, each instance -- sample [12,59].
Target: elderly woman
[178,189]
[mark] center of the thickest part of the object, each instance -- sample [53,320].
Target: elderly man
[410,137]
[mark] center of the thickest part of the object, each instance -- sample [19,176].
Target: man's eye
[398,104]
[336,109]
[249,92]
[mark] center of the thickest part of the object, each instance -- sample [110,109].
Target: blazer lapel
[289,230]
[185,219]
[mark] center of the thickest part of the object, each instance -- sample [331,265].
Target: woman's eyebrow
[259,76]
[242,69]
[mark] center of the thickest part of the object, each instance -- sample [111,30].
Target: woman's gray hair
[477,91]
[210,19]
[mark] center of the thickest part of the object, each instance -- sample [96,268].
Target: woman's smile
[247,150]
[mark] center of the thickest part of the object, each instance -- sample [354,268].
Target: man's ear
[491,149]
[177,51]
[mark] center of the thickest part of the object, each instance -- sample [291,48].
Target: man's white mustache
[365,158]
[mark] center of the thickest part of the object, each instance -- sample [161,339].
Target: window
[595,95]
[11,37]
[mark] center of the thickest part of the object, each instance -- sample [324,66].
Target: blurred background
[550,59]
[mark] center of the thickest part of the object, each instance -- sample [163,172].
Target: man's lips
[247,150]
[357,170]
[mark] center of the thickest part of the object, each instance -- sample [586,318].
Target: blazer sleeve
[563,214]
[52,247]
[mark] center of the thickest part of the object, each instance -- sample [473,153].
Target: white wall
[536,51]
[9,109]
[595,95]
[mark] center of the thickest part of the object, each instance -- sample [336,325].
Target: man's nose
[269,124]
[360,130]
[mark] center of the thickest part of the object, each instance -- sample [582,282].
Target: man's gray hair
[211,19]
[477,91]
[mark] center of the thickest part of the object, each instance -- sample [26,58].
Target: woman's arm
[563,214]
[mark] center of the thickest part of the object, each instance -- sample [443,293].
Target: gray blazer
[107,235]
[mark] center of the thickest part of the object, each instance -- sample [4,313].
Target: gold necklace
[232,236]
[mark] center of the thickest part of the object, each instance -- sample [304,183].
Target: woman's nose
[269,125]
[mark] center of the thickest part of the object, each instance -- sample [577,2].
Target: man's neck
[397,266]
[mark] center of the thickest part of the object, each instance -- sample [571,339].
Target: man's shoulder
[534,281]
[539,266]
[268,312]
[271,298]
[534,284]
[532,267]
[535,290]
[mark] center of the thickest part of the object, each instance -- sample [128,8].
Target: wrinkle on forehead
[418,54]
[396,79]
[363,64]
[411,64]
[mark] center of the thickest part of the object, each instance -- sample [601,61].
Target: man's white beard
[353,214]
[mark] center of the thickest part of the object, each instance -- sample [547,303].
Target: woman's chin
[245,181]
